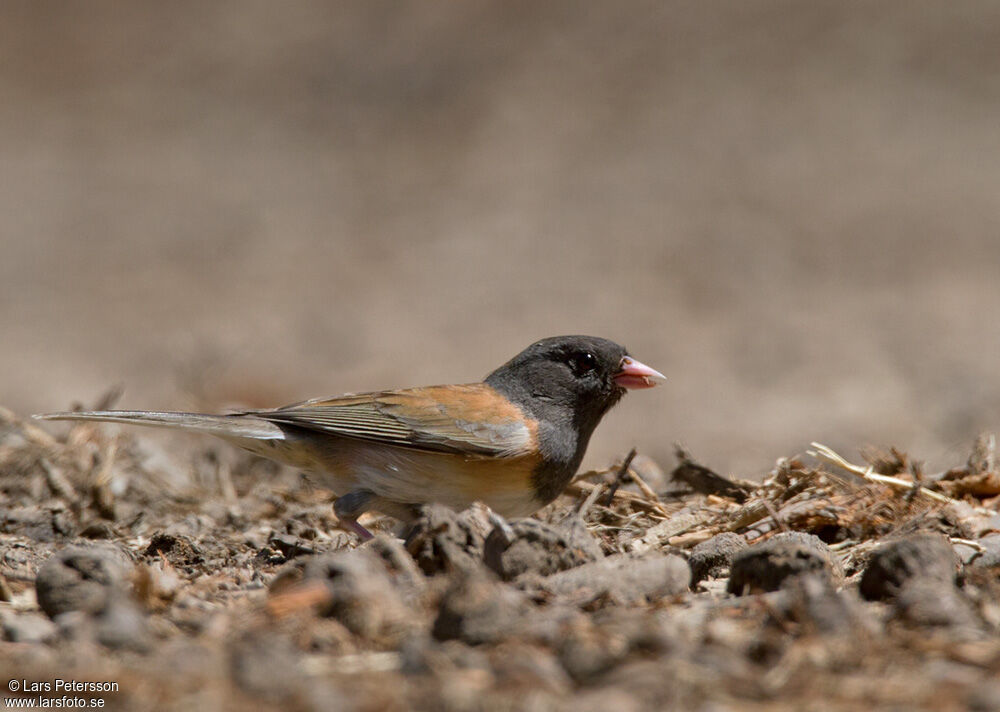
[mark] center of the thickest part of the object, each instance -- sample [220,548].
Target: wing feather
[469,419]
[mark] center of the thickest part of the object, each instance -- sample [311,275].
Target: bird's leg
[351,525]
[351,506]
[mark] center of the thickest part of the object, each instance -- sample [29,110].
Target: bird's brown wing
[471,420]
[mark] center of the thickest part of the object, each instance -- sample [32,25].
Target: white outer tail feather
[233,426]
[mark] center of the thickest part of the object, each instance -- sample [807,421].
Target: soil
[816,588]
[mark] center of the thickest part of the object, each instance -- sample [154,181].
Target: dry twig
[824,453]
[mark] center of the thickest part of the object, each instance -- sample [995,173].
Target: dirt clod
[267,665]
[476,609]
[713,557]
[769,565]
[987,554]
[352,587]
[179,550]
[27,628]
[122,625]
[80,579]
[261,603]
[400,565]
[623,578]
[814,603]
[442,540]
[934,602]
[539,548]
[924,556]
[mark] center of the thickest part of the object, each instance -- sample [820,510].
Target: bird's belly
[410,476]
[421,477]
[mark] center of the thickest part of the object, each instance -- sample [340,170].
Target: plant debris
[229,586]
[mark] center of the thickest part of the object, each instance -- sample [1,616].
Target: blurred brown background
[792,209]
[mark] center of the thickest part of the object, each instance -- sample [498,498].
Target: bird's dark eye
[582,362]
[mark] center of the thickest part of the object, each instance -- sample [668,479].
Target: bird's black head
[567,384]
[570,380]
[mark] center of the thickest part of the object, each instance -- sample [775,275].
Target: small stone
[712,558]
[925,556]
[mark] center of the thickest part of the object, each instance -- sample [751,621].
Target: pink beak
[634,374]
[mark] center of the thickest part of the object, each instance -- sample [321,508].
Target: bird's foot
[349,507]
[349,524]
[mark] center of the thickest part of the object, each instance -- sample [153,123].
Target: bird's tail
[227,426]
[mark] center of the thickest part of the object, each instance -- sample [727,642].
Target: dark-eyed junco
[513,441]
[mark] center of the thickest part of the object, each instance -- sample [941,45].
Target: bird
[513,441]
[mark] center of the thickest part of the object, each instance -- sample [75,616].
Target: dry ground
[827,586]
